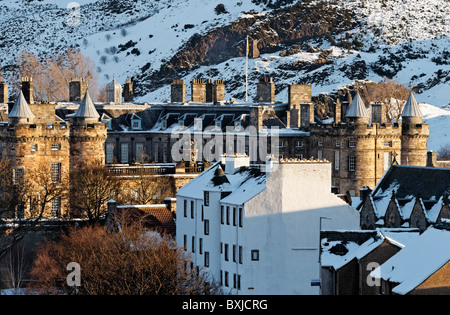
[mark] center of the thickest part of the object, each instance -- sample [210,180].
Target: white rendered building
[258,232]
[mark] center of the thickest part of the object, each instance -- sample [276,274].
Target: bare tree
[92,186]
[129,261]
[47,185]
[13,191]
[389,92]
[443,154]
[51,75]
[145,187]
[16,268]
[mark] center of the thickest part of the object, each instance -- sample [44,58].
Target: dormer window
[181,123]
[164,124]
[218,124]
[108,123]
[136,124]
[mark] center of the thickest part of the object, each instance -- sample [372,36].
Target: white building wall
[283,223]
[231,234]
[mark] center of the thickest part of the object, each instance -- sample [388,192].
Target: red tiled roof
[154,218]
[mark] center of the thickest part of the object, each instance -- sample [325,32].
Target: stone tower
[358,155]
[39,144]
[414,134]
[87,135]
[114,92]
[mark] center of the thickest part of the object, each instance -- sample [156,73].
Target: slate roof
[21,108]
[411,184]
[411,108]
[427,182]
[336,252]
[415,263]
[87,108]
[357,108]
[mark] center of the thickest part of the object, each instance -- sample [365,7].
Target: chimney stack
[178,91]
[265,90]
[297,94]
[27,89]
[3,92]
[218,91]
[431,159]
[77,89]
[198,91]
[128,91]
[378,113]
[306,115]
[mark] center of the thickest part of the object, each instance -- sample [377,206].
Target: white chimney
[233,162]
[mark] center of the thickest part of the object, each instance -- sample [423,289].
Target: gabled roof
[426,182]
[411,108]
[408,184]
[87,108]
[358,250]
[21,108]
[357,108]
[244,184]
[415,263]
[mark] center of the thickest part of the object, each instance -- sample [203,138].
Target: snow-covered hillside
[406,40]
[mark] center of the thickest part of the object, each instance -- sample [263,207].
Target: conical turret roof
[21,108]
[87,108]
[411,108]
[357,108]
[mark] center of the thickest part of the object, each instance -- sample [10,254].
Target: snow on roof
[411,108]
[417,261]
[21,108]
[397,237]
[243,184]
[435,210]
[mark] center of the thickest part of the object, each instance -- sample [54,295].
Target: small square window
[352,144]
[320,143]
[34,147]
[56,146]
[299,144]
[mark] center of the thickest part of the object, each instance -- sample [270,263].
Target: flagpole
[246,71]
